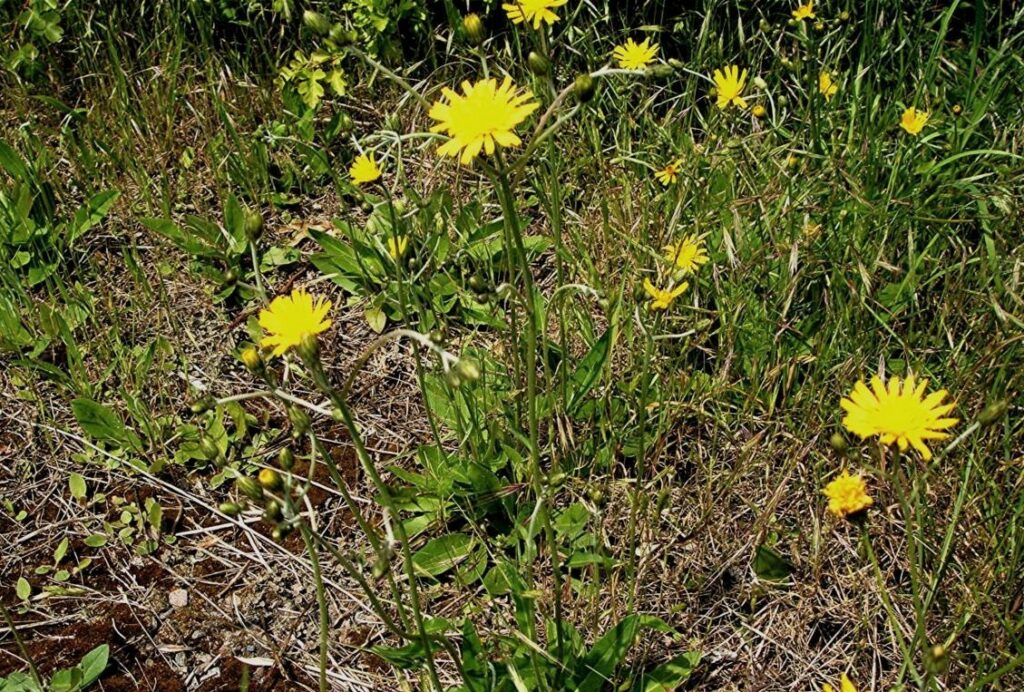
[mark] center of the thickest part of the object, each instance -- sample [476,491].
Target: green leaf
[96,540]
[185,241]
[572,520]
[77,486]
[91,214]
[23,589]
[771,566]
[13,163]
[93,664]
[599,665]
[66,680]
[669,675]
[589,369]
[441,554]
[103,424]
[61,551]
[376,318]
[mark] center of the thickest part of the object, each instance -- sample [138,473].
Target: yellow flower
[688,255]
[804,11]
[730,86]
[397,246]
[826,86]
[290,318]
[635,56]
[913,120]
[661,300]
[847,495]
[481,117]
[844,685]
[899,414]
[364,169]
[759,111]
[670,173]
[535,11]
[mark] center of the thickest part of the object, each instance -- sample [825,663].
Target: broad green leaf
[96,540]
[589,369]
[91,214]
[771,566]
[23,589]
[598,666]
[77,486]
[93,664]
[376,318]
[669,675]
[103,424]
[441,554]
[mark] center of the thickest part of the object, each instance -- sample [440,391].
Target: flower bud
[309,348]
[584,88]
[539,65]
[764,25]
[782,100]
[316,22]
[469,371]
[993,412]
[957,109]
[760,83]
[299,420]
[249,487]
[838,443]
[272,511]
[252,360]
[286,458]
[253,225]
[819,26]
[230,508]
[209,447]
[203,404]
[759,111]
[844,16]
[474,28]
[659,71]
[280,532]
[270,479]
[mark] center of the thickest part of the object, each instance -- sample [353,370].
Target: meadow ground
[538,346]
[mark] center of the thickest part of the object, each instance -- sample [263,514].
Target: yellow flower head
[670,173]
[364,169]
[759,111]
[826,86]
[900,413]
[291,318]
[535,11]
[804,11]
[635,56]
[397,246]
[847,495]
[482,116]
[730,86]
[688,254]
[913,120]
[844,685]
[661,300]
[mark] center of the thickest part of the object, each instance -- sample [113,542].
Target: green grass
[559,488]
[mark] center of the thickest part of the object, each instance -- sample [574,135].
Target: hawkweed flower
[483,116]
[291,318]
[847,495]
[670,173]
[730,86]
[805,11]
[688,254]
[759,111]
[364,169]
[827,86]
[532,11]
[845,685]
[913,120]
[662,299]
[899,413]
[397,246]
[635,56]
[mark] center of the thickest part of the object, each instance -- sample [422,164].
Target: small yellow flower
[898,414]
[913,120]
[291,318]
[480,118]
[364,169]
[689,254]
[661,300]
[730,86]
[535,11]
[670,173]
[826,86]
[635,56]
[759,111]
[804,11]
[844,685]
[847,495]
[397,246]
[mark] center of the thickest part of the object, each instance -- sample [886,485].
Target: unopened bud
[764,25]
[249,487]
[309,348]
[838,443]
[584,88]
[203,404]
[474,28]
[539,65]
[270,479]
[286,458]
[252,360]
[782,100]
[316,22]
[253,225]
[760,83]
[844,16]
[957,109]
[230,508]
[299,420]
[280,532]
[759,111]
[993,412]
[468,370]
[272,511]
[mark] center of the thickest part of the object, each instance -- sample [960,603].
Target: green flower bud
[272,511]
[309,348]
[203,404]
[474,28]
[993,412]
[270,479]
[316,22]
[838,443]
[468,370]
[253,225]
[659,71]
[231,509]
[584,88]
[286,458]
[765,26]
[782,100]
[280,532]
[249,487]
[539,65]
[299,420]
[760,83]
